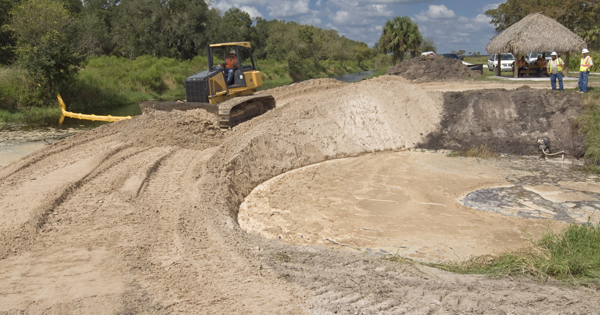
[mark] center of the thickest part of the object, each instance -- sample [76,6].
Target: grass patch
[31,116]
[477,60]
[109,82]
[572,255]
[589,125]
[483,152]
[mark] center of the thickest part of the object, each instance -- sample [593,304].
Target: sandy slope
[140,216]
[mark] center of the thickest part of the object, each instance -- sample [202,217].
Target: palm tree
[400,36]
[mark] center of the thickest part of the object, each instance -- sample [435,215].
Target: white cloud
[222,6]
[239,3]
[490,6]
[483,19]
[393,1]
[340,17]
[361,16]
[287,8]
[453,32]
[439,12]
[252,11]
[311,19]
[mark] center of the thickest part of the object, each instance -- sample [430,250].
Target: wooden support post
[499,65]
[567,68]
[516,66]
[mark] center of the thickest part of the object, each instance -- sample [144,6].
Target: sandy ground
[141,216]
[406,203]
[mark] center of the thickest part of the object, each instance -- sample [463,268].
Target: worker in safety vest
[231,64]
[522,65]
[539,65]
[584,70]
[555,70]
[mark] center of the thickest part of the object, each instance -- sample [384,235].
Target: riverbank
[108,83]
[17,141]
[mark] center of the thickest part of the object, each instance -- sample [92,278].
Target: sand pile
[194,129]
[98,225]
[288,93]
[426,68]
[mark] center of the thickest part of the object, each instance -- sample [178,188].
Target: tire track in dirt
[58,188]
[177,247]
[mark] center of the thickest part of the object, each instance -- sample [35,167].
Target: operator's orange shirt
[232,62]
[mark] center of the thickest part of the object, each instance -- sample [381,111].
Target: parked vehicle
[455,56]
[507,62]
[533,56]
[452,56]
[428,53]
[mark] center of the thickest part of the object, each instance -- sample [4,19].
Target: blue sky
[453,25]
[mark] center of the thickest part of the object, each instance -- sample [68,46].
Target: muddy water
[421,205]
[18,140]
[354,77]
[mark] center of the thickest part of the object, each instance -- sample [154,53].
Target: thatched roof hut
[536,32]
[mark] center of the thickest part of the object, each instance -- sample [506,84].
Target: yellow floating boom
[92,117]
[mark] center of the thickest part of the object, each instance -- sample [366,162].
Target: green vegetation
[401,36]
[571,255]
[589,125]
[100,54]
[477,60]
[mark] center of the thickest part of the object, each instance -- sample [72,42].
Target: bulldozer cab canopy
[242,44]
[217,53]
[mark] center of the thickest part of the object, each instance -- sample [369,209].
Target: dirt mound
[426,68]
[285,94]
[509,121]
[193,129]
[95,224]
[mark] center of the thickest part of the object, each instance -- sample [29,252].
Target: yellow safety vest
[559,65]
[585,64]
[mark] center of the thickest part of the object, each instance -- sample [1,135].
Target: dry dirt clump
[288,93]
[425,68]
[509,121]
[194,129]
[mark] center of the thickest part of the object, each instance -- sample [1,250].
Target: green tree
[43,29]
[428,45]
[174,28]
[362,52]
[400,36]
[7,40]
[236,26]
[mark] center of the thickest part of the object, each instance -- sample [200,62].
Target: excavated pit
[134,217]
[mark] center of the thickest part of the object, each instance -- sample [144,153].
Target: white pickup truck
[507,62]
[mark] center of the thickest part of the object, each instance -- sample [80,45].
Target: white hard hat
[585,51]
[554,53]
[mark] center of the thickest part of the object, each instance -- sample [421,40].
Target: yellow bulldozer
[234,101]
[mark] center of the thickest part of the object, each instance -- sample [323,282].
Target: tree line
[51,39]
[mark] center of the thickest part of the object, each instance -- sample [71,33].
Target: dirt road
[140,216]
